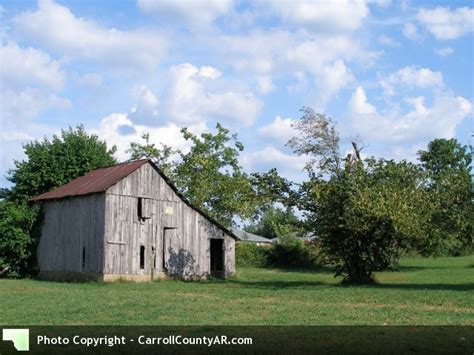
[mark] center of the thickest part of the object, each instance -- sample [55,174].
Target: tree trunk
[357,273]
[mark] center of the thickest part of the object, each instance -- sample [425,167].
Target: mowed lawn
[423,292]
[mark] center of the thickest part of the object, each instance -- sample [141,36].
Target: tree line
[364,212]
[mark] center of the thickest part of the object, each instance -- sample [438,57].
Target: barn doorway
[217,257]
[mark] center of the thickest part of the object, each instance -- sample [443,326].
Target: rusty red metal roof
[97,180]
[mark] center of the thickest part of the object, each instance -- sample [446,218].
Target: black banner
[241,339]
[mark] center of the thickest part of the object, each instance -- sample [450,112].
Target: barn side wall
[71,243]
[176,238]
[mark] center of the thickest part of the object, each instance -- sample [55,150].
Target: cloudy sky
[395,74]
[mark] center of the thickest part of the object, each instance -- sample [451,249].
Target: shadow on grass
[419,268]
[278,285]
[430,287]
[321,269]
[326,269]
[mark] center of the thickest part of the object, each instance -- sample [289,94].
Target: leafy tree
[447,165]
[271,188]
[49,164]
[363,212]
[210,176]
[273,220]
[161,156]
[17,247]
[367,216]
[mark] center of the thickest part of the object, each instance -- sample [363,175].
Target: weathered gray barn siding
[182,232]
[69,225]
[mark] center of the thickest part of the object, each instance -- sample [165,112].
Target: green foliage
[49,164]
[250,254]
[274,218]
[53,163]
[160,156]
[270,188]
[210,176]
[292,252]
[369,214]
[365,213]
[447,166]
[16,244]
[287,252]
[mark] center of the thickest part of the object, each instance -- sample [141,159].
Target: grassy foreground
[424,292]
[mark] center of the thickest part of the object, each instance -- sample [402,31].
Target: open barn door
[217,257]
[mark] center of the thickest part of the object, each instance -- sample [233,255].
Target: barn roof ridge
[90,183]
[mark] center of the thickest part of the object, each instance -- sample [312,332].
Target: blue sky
[393,74]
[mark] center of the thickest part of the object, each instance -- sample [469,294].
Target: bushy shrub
[249,254]
[292,252]
[286,253]
[18,238]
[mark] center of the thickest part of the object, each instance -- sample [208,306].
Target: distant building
[308,237]
[250,238]
[128,221]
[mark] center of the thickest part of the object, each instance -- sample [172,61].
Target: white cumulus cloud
[288,165]
[419,125]
[111,130]
[411,77]
[280,130]
[191,100]
[55,27]
[29,67]
[445,24]
[194,13]
[338,16]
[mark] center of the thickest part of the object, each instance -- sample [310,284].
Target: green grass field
[424,292]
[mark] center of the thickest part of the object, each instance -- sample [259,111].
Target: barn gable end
[145,229]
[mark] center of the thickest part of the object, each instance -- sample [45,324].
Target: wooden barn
[128,221]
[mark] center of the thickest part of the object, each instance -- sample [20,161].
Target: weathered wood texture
[73,228]
[176,237]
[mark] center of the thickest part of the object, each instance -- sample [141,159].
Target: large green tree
[447,164]
[48,164]
[52,163]
[364,212]
[210,176]
[369,214]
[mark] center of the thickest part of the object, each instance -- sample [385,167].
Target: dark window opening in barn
[217,257]
[142,257]
[140,208]
[83,257]
[143,208]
